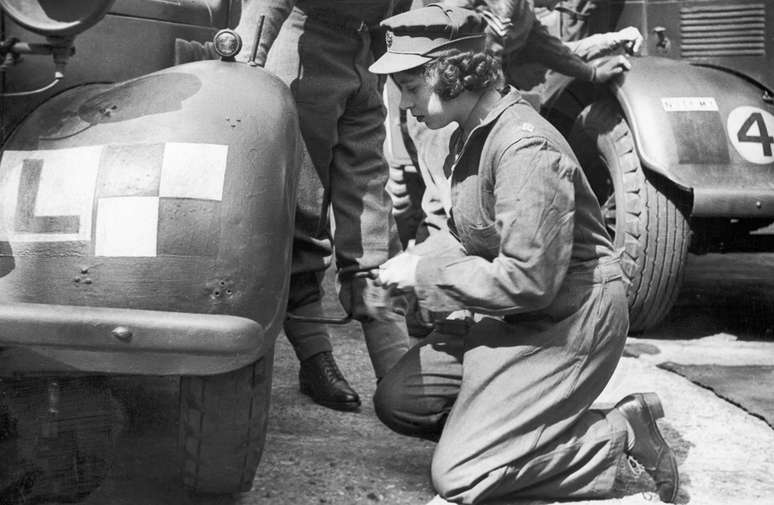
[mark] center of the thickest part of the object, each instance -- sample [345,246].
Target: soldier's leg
[320,93]
[365,234]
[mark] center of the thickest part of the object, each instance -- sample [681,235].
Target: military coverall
[322,52]
[508,397]
[433,145]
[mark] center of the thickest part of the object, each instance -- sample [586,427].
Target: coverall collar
[509,98]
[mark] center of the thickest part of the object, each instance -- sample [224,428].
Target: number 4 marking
[762,138]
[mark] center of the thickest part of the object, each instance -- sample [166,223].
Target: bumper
[40,338]
[749,202]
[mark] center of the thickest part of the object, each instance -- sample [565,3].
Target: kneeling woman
[508,395]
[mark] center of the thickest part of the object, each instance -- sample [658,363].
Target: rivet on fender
[122,333]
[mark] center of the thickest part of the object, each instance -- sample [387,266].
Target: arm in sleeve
[534,215]
[275,12]
[507,21]
[440,247]
[602,44]
[401,6]
[544,48]
[592,46]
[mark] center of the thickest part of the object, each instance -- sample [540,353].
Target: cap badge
[388,39]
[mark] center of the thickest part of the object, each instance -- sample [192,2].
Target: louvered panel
[712,31]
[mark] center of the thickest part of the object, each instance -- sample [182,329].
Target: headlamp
[227,43]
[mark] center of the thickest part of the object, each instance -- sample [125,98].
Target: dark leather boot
[321,379]
[650,449]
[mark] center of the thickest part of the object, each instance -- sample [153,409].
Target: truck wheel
[223,427]
[57,436]
[645,218]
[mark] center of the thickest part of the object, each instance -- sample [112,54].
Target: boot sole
[342,406]
[652,404]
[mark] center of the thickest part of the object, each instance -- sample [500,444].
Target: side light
[227,43]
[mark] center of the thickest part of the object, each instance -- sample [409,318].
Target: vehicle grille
[712,31]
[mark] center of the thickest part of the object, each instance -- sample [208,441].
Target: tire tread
[223,428]
[655,231]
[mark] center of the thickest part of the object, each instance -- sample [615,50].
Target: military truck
[678,151]
[145,228]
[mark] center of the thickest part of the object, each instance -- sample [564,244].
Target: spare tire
[645,216]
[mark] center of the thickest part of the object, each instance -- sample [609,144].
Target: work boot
[649,448]
[321,379]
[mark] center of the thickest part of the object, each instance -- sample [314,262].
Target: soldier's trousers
[325,64]
[509,401]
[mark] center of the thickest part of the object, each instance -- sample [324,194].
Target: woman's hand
[399,273]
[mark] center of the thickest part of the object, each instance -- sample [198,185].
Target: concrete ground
[725,455]
[318,456]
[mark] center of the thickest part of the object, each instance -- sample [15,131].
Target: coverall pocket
[481,240]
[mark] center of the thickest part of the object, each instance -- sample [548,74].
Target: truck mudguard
[705,129]
[173,192]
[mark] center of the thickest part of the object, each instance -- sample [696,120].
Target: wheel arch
[683,132]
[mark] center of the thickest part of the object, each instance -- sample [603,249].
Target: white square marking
[127,226]
[193,171]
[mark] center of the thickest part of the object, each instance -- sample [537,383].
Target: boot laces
[636,467]
[329,367]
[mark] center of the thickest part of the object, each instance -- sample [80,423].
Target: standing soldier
[322,50]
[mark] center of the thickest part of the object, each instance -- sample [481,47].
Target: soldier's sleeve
[542,47]
[593,46]
[275,13]
[401,6]
[508,23]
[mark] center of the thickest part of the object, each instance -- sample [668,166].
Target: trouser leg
[342,122]
[520,424]
[539,437]
[365,234]
[416,396]
[387,342]
[305,299]
[296,56]
[314,65]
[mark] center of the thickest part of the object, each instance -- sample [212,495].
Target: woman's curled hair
[456,71]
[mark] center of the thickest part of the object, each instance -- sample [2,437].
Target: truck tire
[223,428]
[644,216]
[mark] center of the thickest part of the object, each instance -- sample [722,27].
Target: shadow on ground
[723,293]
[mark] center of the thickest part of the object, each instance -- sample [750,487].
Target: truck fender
[705,129]
[171,192]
